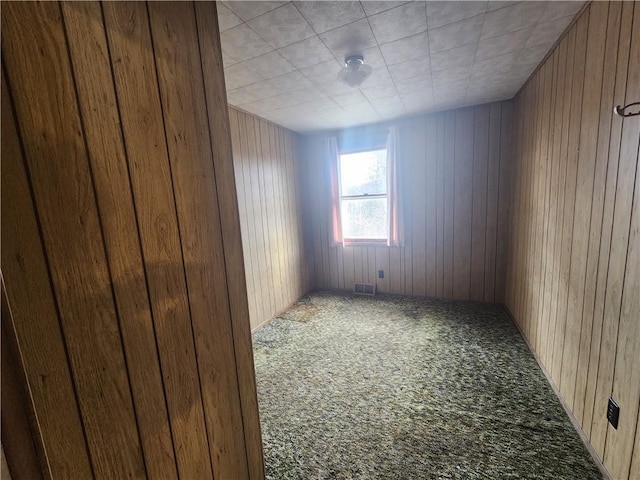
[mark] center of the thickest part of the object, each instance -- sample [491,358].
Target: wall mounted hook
[620,111]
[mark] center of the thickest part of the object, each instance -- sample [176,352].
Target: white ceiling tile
[237,97]
[350,39]
[417,100]
[270,65]
[324,16]
[518,76]
[451,76]
[307,52]
[521,71]
[491,6]
[547,33]
[226,18]
[457,90]
[455,34]
[362,109]
[310,108]
[380,76]
[241,43]
[337,88]
[240,75]
[282,26]
[490,88]
[502,44]
[372,7]
[399,22]
[392,106]
[380,91]
[471,53]
[419,84]
[323,73]
[444,13]
[269,88]
[532,55]
[410,68]
[373,57]
[405,49]
[248,10]
[500,65]
[557,9]
[512,18]
[289,99]
[450,100]
[352,98]
[454,57]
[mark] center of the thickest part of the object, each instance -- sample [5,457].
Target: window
[363,196]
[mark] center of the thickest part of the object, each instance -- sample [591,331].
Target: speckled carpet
[404,388]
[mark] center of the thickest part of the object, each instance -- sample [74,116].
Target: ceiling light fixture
[355,71]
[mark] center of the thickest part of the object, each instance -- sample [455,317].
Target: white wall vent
[364,289]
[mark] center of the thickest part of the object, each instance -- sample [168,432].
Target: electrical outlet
[613,413]
[380,273]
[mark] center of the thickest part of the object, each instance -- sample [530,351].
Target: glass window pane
[364,218]
[363,172]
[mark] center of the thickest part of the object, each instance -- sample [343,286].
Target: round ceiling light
[355,71]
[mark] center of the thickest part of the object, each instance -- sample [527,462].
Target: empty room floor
[395,387]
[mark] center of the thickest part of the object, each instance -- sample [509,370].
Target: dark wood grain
[101,122]
[60,175]
[34,316]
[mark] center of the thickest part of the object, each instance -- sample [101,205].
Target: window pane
[363,172]
[364,218]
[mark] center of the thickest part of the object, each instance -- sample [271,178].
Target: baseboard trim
[567,409]
[279,312]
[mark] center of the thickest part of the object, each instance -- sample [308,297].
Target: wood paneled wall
[121,241]
[266,164]
[574,256]
[455,184]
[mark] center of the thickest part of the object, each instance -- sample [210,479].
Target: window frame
[363,242]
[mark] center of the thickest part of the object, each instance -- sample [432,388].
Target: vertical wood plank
[479,200]
[418,166]
[136,84]
[586,195]
[440,195]
[493,177]
[624,271]
[263,166]
[618,234]
[35,319]
[557,189]
[618,48]
[565,216]
[180,80]
[215,94]
[21,435]
[61,180]
[463,204]
[111,177]
[242,207]
[431,186]
[449,196]
[503,200]
[552,196]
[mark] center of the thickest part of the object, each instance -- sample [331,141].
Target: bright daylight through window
[363,196]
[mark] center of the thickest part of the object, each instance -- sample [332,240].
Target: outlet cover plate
[613,413]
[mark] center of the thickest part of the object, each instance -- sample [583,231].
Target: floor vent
[364,289]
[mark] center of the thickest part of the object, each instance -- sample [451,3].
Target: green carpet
[403,388]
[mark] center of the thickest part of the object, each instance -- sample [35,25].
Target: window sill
[364,243]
